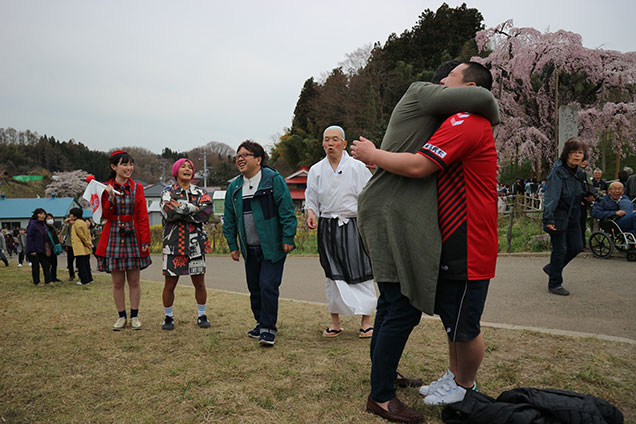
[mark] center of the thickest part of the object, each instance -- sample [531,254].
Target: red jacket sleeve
[141,216]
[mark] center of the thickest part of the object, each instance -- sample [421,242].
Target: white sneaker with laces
[447,392]
[426,390]
[119,324]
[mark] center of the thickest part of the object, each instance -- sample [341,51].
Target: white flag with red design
[93,194]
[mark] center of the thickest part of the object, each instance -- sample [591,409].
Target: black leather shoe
[398,412]
[546,269]
[559,290]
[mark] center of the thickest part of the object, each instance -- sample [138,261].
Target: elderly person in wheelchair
[616,206]
[617,214]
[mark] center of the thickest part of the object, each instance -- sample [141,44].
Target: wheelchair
[610,236]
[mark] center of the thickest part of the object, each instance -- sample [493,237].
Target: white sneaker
[447,392]
[79,283]
[119,324]
[426,390]
[19,265]
[135,323]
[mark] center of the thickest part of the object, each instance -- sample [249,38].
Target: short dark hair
[76,212]
[36,212]
[479,74]
[444,69]
[573,144]
[254,148]
[120,157]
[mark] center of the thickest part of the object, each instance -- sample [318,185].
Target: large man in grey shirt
[398,225]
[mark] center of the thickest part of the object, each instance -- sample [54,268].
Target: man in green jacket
[259,212]
[398,223]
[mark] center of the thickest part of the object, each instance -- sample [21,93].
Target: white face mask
[50,221]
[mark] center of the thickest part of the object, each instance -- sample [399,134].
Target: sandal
[364,333]
[329,332]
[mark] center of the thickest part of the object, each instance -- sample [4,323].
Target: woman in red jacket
[123,248]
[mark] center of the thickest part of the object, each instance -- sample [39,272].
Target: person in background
[21,246]
[598,182]
[50,224]
[82,246]
[184,209]
[38,246]
[630,187]
[96,233]
[585,204]
[615,205]
[123,249]
[3,247]
[68,246]
[10,243]
[624,175]
[564,191]
[331,202]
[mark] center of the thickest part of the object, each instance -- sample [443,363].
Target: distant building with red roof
[297,183]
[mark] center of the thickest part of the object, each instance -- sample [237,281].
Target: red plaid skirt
[108,264]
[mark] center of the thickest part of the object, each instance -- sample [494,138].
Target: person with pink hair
[184,207]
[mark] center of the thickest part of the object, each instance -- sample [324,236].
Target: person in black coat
[564,192]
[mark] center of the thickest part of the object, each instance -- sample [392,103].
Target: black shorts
[460,303]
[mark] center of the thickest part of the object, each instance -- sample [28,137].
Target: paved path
[602,300]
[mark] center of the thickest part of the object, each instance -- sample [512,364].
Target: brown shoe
[398,412]
[403,382]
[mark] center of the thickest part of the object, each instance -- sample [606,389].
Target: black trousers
[69,262]
[84,268]
[53,266]
[38,259]
[394,320]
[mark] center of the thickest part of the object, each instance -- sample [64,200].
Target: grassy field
[61,363]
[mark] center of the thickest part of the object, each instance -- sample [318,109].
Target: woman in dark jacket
[562,211]
[50,221]
[39,247]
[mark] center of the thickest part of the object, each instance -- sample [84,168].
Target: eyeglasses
[243,155]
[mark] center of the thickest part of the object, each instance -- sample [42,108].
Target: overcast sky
[180,74]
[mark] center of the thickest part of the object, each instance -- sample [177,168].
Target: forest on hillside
[28,153]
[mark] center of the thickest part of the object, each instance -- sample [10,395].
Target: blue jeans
[627,222]
[263,279]
[565,246]
[394,320]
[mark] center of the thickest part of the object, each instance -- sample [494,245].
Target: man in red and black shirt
[462,152]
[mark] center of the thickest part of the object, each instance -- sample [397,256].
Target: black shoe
[267,339]
[168,323]
[255,333]
[559,290]
[546,269]
[203,322]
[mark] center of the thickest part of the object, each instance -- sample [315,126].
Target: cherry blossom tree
[535,72]
[67,184]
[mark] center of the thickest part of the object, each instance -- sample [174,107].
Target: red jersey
[464,148]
